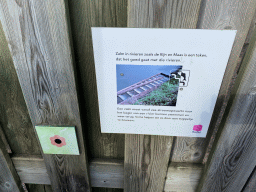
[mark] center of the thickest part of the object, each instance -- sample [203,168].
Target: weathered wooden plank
[9,179]
[233,156]
[170,14]
[221,15]
[183,177]
[146,162]
[251,29]
[4,140]
[31,169]
[147,157]
[217,15]
[85,14]
[103,173]
[14,117]
[37,35]
[188,149]
[247,40]
[39,188]
[108,173]
[250,185]
[163,14]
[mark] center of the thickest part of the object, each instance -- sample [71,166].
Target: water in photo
[156,85]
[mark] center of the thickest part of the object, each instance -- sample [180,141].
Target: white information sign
[159,81]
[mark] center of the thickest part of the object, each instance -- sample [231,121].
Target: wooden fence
[47,77]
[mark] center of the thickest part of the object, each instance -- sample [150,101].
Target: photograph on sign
[159,81]
[148,84]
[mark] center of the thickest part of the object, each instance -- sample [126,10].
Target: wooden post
[38,38]
[14,117]
[85,14]
[217,15]
[226,15]
[9,179]
[232,159]
[147,157]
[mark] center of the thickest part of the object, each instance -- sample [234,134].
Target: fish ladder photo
[156,85]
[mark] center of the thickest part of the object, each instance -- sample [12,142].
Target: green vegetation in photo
[165,95]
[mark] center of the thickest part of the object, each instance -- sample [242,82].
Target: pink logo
[197,127]
[58,141]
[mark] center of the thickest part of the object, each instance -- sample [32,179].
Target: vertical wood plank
[146,162]
[233,157]
[85,14]
[4,140]
[250,185]
[147,157]
[14,117]
[38,39]
[9,179]
[163,14]
[221,15]
[218,15]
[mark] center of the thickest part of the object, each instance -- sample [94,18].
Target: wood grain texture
[188,149]
[221,15]
[251,29]
[31,169]
[233,156]
[85,14]
[183,177]
[9,179]
[163,14]
[250,185]
[146,162]
[170,14]
[38,39]
[144,170]
[14,117]
[108,173]
[4,140]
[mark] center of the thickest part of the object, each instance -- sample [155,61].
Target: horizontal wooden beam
[108,173]
[31,169]
[183,176]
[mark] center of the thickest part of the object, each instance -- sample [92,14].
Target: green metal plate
[58,140]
